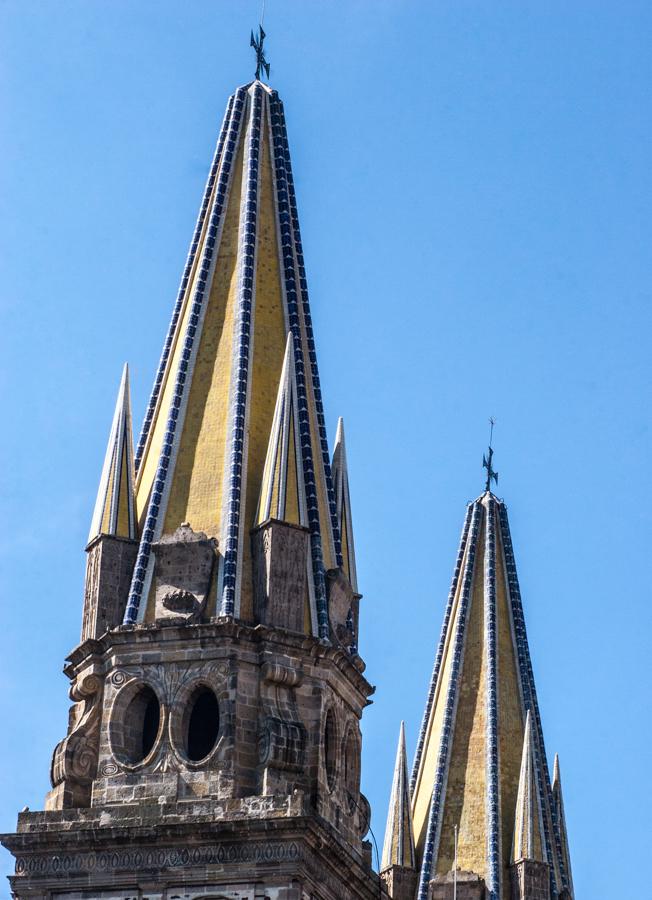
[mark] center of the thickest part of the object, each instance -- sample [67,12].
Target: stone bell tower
[213,745]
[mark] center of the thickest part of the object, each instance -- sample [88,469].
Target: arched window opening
[203,724]
[142,721]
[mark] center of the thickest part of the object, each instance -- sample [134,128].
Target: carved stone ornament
[282,744]
[74,761]
[341,597]
[184,564]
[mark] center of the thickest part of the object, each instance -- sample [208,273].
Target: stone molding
[138,859]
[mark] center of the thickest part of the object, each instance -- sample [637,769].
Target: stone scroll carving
[74,761]
[184,564]
[282,736]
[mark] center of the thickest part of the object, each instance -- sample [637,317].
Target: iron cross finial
[261,63]
[487,461]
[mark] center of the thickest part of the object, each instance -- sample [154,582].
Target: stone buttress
[213,745]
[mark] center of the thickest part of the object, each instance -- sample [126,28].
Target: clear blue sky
[475,190]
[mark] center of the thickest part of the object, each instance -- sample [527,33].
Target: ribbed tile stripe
[491,700]
[237,452]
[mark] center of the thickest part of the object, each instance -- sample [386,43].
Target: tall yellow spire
[114,508]
[469,753]
[202,454]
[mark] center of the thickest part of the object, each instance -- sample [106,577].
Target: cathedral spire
[528,826]
[468,763]
[114,512]
[218,679]
[560,818]
[398,849]
[202,454]
[343,504]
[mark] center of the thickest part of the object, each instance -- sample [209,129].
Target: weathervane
[257,43]
[487,461]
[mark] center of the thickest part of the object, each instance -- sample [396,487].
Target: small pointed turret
[282,493]
[528,827]
[398,869]
[560,819]
[114,508]
[340,473]
[398,849]
[112,539]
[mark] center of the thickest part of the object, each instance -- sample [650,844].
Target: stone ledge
[94,855]
[212,633]
[145,814]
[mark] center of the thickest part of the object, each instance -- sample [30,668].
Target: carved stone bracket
[74,761]
[282,744]
[282,735]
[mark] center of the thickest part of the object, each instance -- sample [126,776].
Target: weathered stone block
[280,554]
[401,883]
[460,884]
[184,564]
[530,880]
[109,568]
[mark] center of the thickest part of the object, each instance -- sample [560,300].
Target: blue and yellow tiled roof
[467,766]
[213,418]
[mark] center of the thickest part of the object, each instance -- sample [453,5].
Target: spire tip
[487,461]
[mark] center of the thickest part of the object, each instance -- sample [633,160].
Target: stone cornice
[221,629]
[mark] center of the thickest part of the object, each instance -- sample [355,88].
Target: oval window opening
[351,771]
[141,725]
[203,725]
[151,721]
[330,737]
